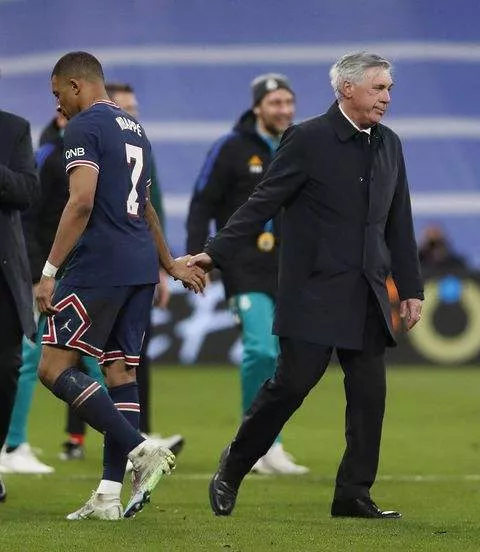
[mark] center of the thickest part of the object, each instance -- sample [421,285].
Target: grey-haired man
[347,224]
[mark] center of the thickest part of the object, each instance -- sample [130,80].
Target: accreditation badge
[266,242]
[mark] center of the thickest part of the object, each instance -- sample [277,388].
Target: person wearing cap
[234,166]
[341,181]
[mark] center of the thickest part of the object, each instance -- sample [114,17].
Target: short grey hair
[352,68]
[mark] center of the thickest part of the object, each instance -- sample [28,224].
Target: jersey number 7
[135,153]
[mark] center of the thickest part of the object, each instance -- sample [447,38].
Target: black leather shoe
[3,491]
[223,496]
[362,508]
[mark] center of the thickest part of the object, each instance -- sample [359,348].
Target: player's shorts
[108,323]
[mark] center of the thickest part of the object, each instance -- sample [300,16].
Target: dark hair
[113,88]
[80,65]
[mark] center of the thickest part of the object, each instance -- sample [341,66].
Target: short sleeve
[81,144]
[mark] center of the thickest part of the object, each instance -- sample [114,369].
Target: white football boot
[99,506]
[150,461]
[173,442]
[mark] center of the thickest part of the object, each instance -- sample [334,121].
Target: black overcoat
[347,224]
[19,188]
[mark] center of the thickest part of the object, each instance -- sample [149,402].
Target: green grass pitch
[430,470]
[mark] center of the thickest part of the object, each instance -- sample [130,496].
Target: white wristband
[49,270]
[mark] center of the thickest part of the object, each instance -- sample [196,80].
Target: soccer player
[123,94]
[110,241]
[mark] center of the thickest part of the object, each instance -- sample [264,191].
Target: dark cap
[263,84]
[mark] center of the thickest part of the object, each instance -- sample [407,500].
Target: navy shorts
[107,323]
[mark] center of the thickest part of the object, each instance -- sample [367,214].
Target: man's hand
[43,295]
[201,260]
[192,276]
[161,296]
[410,312]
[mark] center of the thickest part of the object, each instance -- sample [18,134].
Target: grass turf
[429,470]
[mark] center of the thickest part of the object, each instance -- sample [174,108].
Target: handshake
[191,270]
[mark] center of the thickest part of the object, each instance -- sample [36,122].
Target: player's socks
[94,405]
[76,438]
[125,398]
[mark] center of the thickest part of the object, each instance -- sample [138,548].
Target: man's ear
[75,84]
[256,111]
[347,89]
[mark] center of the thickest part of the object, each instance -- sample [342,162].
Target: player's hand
[202,260]
[43,295]
[161,296]
[193,277]
[410,312]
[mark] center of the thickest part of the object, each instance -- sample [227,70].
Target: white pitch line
[196,131]
[407,478]
[456,204]
[247,54]
[318,478]
[206,132]
[407,127]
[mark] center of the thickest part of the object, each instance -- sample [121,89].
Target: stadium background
[191,62]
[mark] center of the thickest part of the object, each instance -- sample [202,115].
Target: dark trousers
[10,355]
[301,365]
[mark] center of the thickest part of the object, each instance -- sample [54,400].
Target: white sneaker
[99,506]
[173,442]
[150,461]
[22,460]
[278,462]
[261,468]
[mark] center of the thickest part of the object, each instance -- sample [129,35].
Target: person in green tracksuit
[233,167]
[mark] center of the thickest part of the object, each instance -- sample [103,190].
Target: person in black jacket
[233,167]
[18,190]
[40,225]
[347,224]
[437,256]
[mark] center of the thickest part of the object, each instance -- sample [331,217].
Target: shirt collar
[345,129]
[366,130]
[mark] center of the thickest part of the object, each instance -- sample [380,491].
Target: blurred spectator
[124,96]
[40,224]
[437,255]
[235,164]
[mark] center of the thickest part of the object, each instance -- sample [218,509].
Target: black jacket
[41,221]
[18,190]
[50,133]
[234,166]
[344,229]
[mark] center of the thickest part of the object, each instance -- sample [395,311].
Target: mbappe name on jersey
[127,124]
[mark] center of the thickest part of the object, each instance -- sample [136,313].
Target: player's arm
[74,219]
[177,268]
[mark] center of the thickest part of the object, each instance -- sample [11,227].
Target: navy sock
[125,398]
[92,404]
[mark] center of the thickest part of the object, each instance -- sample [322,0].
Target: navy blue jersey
[117,247]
